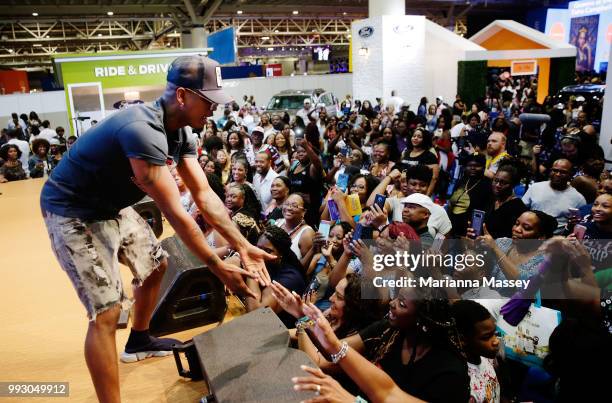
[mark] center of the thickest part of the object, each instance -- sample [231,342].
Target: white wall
[442,69]
[263,88]
[50,105]
[395,59]
[605,135]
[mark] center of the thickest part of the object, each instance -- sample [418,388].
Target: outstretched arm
[215,214]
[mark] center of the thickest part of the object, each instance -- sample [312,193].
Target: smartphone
[379,200]
[477,221]
[357,232]
[342,182]
[579,231]
[574,213]
[324,228]
[334,213]
[437,243]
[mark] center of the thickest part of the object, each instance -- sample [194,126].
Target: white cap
[418,199]
[258,129]
[440,97]
[580,98]
[307,101]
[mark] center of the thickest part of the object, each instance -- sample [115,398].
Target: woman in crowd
[244,210]
[519,257]
[226,165]
[11,170]
[241,172]
[213,167]
[294,223]
[211,125]
[281,142]
[598,232]
[473,191]
[285,271]
[306,176]
[367,110]
[432,119]
[279,189]
[380,155]
[325,257]
[235,143]
[506,206]
[40,163]
[55,153]
[417,346]
[266,124]
[420,152]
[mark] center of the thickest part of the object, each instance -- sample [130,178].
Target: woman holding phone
[519,257]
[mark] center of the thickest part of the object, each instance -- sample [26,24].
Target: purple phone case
[334,214]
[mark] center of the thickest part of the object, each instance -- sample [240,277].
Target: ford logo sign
[366,32]
[402,29]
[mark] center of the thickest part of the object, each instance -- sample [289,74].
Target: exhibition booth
[98,85]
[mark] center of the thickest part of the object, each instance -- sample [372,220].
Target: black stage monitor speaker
[151,214]
[249,360]
[190,295]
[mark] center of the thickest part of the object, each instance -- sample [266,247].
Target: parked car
[588,91]
[293,100]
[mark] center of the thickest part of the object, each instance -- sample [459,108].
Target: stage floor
[43,323]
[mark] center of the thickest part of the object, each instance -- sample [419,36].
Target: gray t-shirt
[94,180]
[540,196]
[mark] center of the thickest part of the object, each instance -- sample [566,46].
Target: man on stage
[85,204]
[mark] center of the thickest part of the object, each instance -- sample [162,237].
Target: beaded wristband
[340,354]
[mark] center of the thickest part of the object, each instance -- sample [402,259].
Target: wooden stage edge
[43,323]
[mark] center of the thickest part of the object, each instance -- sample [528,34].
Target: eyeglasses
[360,187]
[213,105]
[291,206]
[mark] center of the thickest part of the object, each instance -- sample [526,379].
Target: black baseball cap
[200,74]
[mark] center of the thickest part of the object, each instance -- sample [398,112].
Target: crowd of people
[326,193]
[30,148]
[300,187]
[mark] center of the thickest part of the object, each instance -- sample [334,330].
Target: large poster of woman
[583,35]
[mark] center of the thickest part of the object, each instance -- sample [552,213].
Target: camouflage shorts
[90,251]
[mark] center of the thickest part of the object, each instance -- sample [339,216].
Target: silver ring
[318,392]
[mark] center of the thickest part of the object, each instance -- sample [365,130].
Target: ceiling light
[295,12]
[99,34]
[270,49]
[38,45]
[10,50]
[276,31]
[265,38]
[344,13]
[239,12]
[35,14]
[109,13]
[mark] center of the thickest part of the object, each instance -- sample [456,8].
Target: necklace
[294,228]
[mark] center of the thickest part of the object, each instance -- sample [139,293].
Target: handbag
[528,342]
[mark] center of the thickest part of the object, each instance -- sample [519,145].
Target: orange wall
[506,40]
[543,74]
[13,81]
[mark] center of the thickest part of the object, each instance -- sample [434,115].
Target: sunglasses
[213,105]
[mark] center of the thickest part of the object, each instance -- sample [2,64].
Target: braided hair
[282,242]
[434,324]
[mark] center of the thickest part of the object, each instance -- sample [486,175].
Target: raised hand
[290,301]
[326,388]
